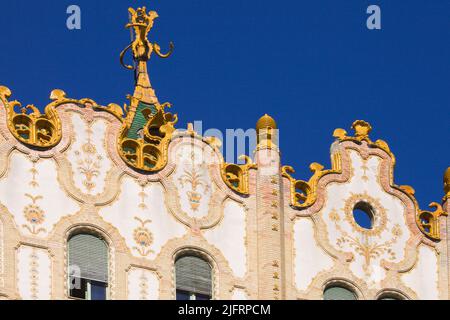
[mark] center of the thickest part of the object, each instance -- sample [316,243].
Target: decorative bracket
[236,176]
[428,221]
[304,193]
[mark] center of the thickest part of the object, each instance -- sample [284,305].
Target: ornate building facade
[105,202]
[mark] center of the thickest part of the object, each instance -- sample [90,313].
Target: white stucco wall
[423,278]
[138,206]
[29,188]
[310,259]
[229,237]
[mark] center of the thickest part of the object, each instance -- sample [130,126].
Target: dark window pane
[98,290]
[183,295]
[202,297]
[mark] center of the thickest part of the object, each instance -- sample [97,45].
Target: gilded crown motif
[29,125]
[362,130]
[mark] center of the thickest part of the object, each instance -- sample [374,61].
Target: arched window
[193,278]
[337,292]
[88,267]
[391,296]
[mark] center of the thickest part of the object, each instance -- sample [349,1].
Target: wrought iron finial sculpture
[147,130]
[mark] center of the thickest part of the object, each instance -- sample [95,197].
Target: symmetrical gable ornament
[304,193]
[362,130]
[147,129]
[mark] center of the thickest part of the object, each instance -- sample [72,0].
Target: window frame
[343,283]
[199,254]
[394,294]
[68,278]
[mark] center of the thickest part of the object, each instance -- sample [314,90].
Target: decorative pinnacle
[142,49]
[362,128]
[265,122]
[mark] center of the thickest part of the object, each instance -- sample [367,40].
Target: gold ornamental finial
[266,121]
[147,128]
[362,128]
[142,49]
[265,131]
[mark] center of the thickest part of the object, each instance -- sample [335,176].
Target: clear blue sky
[313,65]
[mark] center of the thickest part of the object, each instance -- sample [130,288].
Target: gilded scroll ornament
[428,221]
[237,176]
[304,193]
[447,184]
[147,130]
[146,148]
[29,125]
[43,130]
